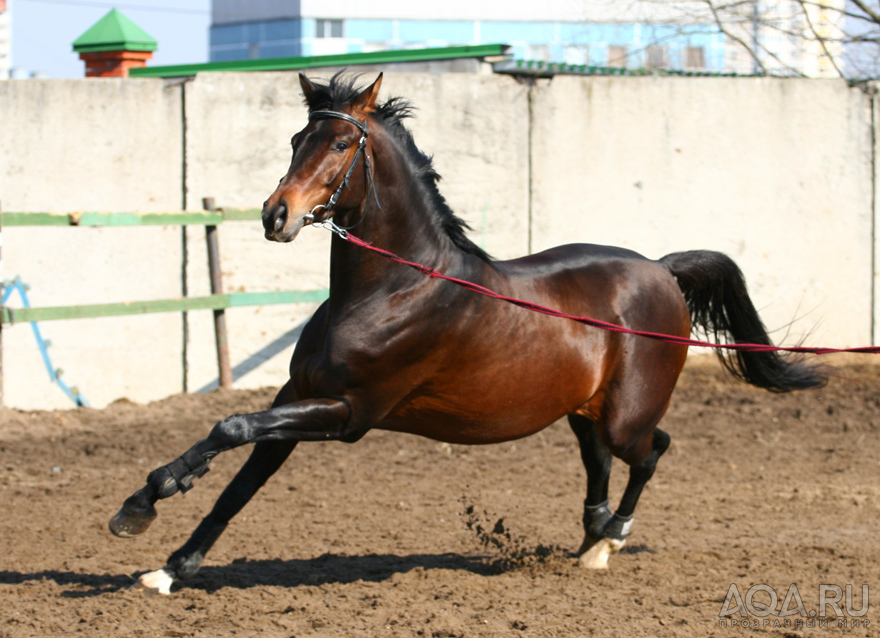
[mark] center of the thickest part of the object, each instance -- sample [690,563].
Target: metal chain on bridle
[312,216]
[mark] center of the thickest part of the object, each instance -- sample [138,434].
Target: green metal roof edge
[542,69]
[115,29]
[345,59]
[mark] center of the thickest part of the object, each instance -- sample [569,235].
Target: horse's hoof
[597,556]
[127,523]
[589,541]
[157,582]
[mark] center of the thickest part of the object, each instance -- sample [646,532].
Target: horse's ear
[307,86]
[366,100]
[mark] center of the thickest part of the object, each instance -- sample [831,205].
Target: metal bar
[43,346]
[220,334]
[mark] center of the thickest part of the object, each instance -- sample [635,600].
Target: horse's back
[572,255]
[609,283]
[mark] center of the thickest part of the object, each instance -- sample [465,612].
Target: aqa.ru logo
[757,612]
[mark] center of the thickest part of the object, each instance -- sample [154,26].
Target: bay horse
[395,350]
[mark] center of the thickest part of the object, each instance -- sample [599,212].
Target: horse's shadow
[243,573]
[332,569]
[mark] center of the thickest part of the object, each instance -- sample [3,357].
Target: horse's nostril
[276,218]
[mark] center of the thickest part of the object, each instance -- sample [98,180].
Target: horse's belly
[474,423]
[491,399]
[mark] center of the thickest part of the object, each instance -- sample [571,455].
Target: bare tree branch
[875,17]
[778,37]
[734,37]
[867,16]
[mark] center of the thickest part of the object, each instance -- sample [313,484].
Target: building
[595,33]
[780,37]
[787,37]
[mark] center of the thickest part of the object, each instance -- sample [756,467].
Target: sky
[43,31]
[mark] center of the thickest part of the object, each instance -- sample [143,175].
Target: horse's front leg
[263,462]
[309,420]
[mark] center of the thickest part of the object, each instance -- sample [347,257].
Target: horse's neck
[405,226]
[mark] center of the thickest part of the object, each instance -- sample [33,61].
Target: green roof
[114,32]
[537,68]
[310,62]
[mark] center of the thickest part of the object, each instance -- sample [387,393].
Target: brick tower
[113,45]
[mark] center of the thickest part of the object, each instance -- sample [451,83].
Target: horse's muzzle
[274,218]
[276,223]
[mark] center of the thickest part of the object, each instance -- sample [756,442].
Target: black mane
[342,91]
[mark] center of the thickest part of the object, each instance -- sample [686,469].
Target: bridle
[325,209]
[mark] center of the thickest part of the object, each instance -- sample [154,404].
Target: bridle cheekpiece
[311,216]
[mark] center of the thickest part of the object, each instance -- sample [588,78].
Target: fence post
[217,289]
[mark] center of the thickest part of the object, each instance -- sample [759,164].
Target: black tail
[715,291]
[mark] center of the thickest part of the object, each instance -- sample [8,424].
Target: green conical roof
[114,32]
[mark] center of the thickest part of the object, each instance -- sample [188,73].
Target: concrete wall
[777,173]
[69,145]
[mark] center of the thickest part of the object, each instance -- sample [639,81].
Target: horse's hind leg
[597,461]
[263,462]
[617,528]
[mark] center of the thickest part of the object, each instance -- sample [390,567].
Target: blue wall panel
[369,30]
[453,32]
[283,30]
[230,34]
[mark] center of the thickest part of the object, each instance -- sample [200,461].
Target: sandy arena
[400,536]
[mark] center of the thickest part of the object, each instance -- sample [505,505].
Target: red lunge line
[604,325]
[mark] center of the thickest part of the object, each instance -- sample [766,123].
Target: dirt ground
[401,536]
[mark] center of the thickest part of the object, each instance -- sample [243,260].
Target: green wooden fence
[217,301]
[182,304]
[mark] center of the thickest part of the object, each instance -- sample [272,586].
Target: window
[657,57]
[694,58]
[577,55]
[616,55]
[328,28]
[539,52]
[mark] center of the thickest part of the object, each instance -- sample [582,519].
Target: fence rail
[12,316]
[218,301]
[110,219]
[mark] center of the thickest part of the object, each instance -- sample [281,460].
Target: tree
[809,38]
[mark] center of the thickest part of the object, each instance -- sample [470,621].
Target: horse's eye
[340,146]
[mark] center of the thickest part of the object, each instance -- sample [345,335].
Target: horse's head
[322,178]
